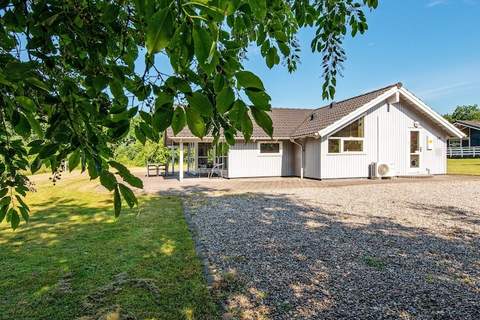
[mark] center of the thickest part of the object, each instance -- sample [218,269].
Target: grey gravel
[371,251]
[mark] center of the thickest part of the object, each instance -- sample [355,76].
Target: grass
[73,259]
[469,166]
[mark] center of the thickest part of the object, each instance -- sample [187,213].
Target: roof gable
[325,116]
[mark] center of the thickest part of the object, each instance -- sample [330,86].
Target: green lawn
[464,166]
[74,260]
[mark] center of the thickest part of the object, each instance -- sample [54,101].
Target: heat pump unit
[382,170]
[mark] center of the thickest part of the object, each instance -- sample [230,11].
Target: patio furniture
[218,169]
[156,168]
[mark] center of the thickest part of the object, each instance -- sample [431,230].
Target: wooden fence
[461,152]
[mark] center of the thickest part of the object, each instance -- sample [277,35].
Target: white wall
[245,160]
[387,139]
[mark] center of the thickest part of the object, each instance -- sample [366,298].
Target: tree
[73,73]
[465,112]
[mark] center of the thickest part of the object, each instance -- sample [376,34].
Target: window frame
[343,139]
[280,148]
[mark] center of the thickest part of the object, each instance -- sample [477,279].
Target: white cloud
[434,3]
[446,89]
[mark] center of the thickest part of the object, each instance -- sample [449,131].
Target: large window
[349,139]
[269,147]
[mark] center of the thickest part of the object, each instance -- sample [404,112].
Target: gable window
[348,139]
[269,148]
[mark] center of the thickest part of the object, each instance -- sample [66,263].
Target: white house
[341,140]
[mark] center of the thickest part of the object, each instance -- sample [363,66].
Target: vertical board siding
[312,158]
[387,139]
[245,160]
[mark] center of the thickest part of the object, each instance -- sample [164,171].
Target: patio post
[180,163]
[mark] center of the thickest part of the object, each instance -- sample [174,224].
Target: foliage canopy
[70,80]
[465,112]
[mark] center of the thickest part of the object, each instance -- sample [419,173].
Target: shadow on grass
[294,260]
[75,260]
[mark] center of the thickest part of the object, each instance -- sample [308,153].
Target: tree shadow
[296,260]
[74,259]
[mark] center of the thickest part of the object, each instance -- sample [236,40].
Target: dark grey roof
[470,123]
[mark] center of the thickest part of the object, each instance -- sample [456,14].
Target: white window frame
[279,153]
[342,139]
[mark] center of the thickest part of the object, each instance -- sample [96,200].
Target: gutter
[292,140]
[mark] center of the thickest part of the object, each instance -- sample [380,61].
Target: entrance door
[415,151]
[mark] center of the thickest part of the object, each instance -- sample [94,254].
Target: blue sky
[431,46]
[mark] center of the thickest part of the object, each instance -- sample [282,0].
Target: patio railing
[463,152]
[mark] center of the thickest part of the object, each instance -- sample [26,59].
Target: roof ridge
[398,84]
[291,108]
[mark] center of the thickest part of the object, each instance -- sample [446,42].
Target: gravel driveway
[372,251]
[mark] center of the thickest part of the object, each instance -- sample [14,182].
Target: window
[333,145]
[353,146]
[269,147]
[348,139]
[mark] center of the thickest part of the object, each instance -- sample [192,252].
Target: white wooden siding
[387,139]
[245,160]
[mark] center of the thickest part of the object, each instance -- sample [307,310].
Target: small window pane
[414,141]
[353,130]
[333,145]
[414,161]
[352,145]
[269,148]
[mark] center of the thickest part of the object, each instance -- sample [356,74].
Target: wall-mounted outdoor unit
[380,170]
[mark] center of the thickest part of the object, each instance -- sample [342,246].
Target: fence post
[473,149]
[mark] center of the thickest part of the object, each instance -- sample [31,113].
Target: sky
[431,46]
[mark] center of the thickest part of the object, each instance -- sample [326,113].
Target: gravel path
[380,251]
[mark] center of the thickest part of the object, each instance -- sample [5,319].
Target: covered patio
[190,158]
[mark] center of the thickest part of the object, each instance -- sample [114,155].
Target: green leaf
[27,103]
[48,150]
[160,30]
[162,118]
[5,201]
[3,192]
[247,126]
[202,42]
[24,213]
[3,213]
[36,165]
[195,122]
[100,82]
[126,175]
[38,83]
[178,121]
[23,127]
[74,160]
[259,8]
[117,202]
[93,169]
[272,57]
[108,180]
[22,203]
[140,135]
[201,103]
[259,98]
[263,120]
[128,195]
[14,218]
[225,99]
[248,80]
[34,124]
